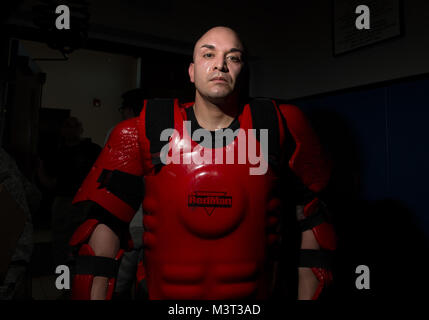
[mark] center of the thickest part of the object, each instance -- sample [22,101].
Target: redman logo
[209,200]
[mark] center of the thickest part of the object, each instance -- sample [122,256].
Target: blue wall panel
[389,129]
[378,138]
[409,146]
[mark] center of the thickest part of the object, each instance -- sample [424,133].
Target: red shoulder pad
[308,162]
[122,152]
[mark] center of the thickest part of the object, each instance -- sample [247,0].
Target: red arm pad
[308,162]
[122,152]
[82,283]
[313,167]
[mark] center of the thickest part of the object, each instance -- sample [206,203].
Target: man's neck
[212,115]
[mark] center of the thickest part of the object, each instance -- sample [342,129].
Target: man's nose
[220,64]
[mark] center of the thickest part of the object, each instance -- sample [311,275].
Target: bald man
[212,202]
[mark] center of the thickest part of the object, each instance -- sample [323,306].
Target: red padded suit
[209,226]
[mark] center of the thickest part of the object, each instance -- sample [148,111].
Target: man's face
[218,61]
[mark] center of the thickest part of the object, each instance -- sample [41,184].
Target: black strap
[264,116]
[315,259]
[159,116]
[127,187]
[97,266]
[312,221]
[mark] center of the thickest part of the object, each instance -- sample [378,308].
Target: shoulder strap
[264,116]
[159,116]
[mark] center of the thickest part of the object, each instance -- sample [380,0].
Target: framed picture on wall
[358,23]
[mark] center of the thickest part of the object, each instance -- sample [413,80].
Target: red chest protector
[205,223]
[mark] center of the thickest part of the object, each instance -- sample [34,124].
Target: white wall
[303,63]
[73,84]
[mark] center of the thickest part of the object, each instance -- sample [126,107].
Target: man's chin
[222,94]
[217,99]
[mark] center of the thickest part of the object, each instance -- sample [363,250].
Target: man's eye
[208,55]
[234,58]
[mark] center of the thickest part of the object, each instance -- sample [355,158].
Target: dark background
[375,128]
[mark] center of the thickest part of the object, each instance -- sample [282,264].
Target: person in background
[64,172]
[15,284]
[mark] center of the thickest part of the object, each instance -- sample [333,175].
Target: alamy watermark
[63,20]
[250,150]
[362,281]
[62,282]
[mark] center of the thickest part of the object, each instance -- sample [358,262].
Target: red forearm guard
[324,277]
[312,166]
[82,281]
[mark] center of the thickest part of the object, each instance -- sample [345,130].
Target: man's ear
[191,72]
